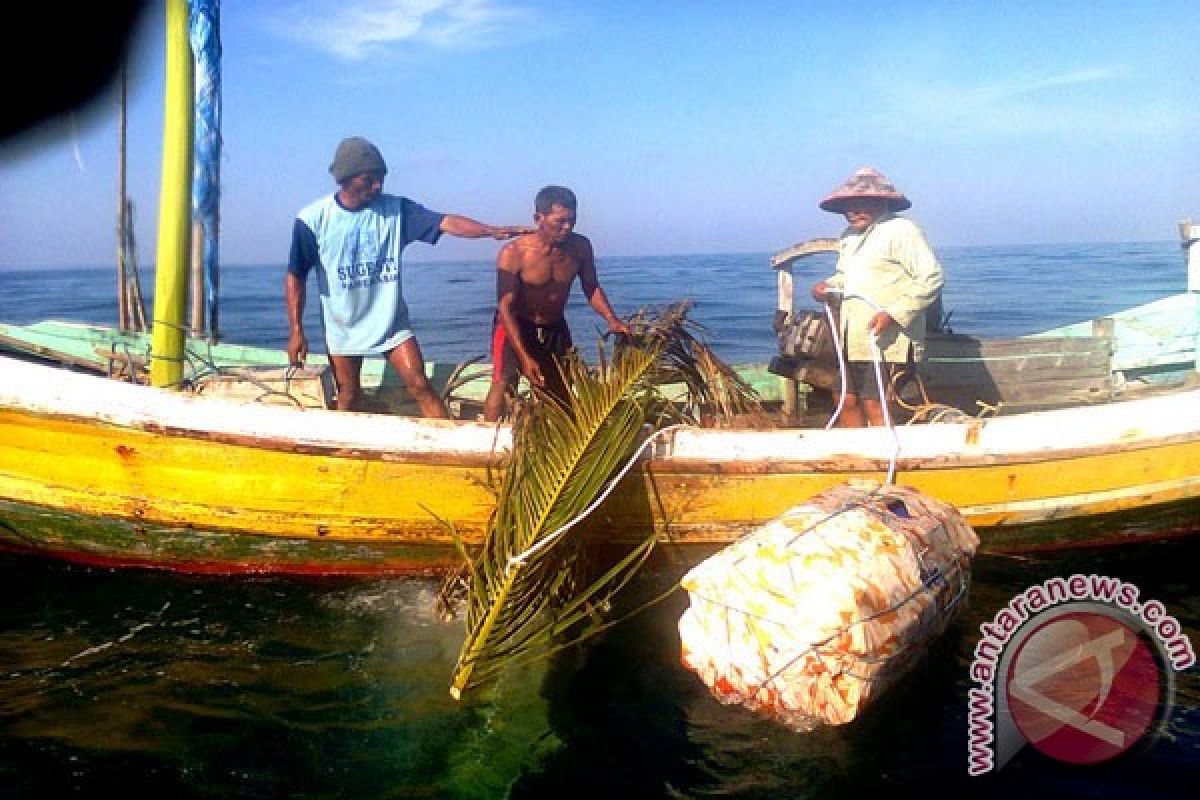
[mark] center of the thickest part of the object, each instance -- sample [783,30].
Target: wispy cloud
[1015,104]
[1072,78]
[961,99]
[354,31]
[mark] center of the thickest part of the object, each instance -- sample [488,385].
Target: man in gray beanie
[354,238]
[353,156]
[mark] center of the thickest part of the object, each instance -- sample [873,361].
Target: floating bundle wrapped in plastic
[817,612]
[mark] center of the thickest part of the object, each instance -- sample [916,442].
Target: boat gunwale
[475,444]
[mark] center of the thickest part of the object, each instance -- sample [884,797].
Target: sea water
[144,684]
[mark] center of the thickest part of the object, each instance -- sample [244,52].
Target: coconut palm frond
[525,585]
[529,592]
[710,387]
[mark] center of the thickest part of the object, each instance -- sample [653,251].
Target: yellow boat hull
[113,473]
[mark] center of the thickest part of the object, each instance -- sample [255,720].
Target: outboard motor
[806,350]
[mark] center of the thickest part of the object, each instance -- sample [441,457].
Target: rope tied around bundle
[816,613]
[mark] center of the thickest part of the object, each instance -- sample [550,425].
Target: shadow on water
[613,703]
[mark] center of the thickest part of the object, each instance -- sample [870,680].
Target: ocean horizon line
[601,258]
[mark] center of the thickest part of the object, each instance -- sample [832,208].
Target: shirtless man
[534,274]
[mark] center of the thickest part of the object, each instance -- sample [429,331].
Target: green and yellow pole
[174,204]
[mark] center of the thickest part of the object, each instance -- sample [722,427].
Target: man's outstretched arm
[467,228]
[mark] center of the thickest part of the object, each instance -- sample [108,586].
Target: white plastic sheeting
[815,614]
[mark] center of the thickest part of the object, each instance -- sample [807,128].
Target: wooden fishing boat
[97,467]
[109,471]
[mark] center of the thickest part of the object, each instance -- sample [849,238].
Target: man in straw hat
[354,238]
[885,259]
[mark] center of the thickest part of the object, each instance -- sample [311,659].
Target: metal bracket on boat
[1189,233]
[784,319]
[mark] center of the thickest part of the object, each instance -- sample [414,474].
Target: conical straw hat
[866,182]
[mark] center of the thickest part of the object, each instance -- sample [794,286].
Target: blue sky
[684,127]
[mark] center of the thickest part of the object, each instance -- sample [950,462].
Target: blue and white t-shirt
[357,256]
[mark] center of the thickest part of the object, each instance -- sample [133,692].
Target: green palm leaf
[528,592]
[524,580]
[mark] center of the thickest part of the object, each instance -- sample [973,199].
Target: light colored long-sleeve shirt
[892,264]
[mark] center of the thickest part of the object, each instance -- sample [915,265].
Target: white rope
[836,335]
[546,541]
[877,363]
[877,359]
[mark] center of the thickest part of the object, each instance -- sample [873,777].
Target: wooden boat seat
[1021,374]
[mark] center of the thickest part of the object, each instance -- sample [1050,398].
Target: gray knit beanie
[355,155]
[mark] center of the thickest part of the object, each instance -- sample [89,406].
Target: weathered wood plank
[963,346]
[784,258]
[302,387]
[965,373]
[20,347]
[1048,366]
[1042,372]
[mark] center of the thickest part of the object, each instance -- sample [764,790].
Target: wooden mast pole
[122,288]
[174,205]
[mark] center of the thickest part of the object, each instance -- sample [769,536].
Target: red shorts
[542,342]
